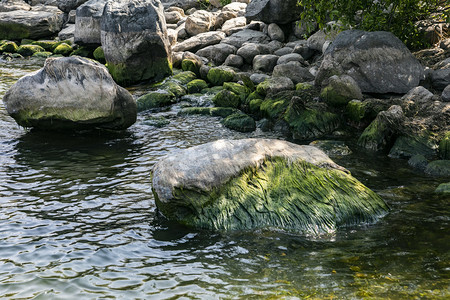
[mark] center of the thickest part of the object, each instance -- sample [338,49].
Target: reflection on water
[78,220]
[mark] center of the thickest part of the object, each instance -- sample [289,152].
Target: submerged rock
[70,93]
[240,122]
[261,184]
[136,48]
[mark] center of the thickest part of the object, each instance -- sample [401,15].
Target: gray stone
[11,5]
[274,85]
[70,93]
[135,51]
[265,62]
[38,23]
[290,57]
[200,41]
[340,90]
[71,17]
[283,51]
[440,78]
[249,50]
[320,40]
[64,5]
[273,11]
[233,24]
[199,22]
[275,33]
[446,94]
[67,33]
[217,53]
[222,17]
[302,29]
[172,17]
[183,4]
[246,36]
[236,8]
[293,71]
[234,61]
[258,78]
[417,95]
[87,22]
[304,50]
[378,61]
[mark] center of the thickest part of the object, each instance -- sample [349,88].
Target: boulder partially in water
[135,42]
[70,93]
[261,184]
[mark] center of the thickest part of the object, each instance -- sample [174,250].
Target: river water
[78,221]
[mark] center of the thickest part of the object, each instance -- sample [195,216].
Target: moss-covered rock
[226,98]
[255,106]
[303,86]
[184,77]
[444,146]
[274,108]
[47,45]
[9,47]
[340,90]
[311,123]
[191,65]
[240,90]
[29,50]
[418,161]
[382,132]
[274,85]
[438,168]
[355,110]
[155,100]
[261,184]
[209,111]
[408,146]
[173,87]
[220,75]
[196,86]
[253,96]
[63,49]
[83,51]
[240,122]
[366,111]
[99,55]
[443,189]
[45,54]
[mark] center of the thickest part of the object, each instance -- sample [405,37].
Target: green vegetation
[9,47]
[196,85]
[226,98]
[99,55]
[397,16]
[63,49]
[240,122]
[29,50]
[155,100]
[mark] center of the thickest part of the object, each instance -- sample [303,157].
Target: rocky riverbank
[251,65]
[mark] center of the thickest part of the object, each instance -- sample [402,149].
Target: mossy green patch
[63,49]
[443,188]
[408,146]
[377,136]
[226,98]
[303,86]
[255,106]
[156,121]
[174,88]
[253,96]
[291,196]
[240,122]
[45,54]
[311,123]
[191,65]
[99,55]
[218,76]
[438,168]
[184,77]
[155,100]
[196,86]
[263,87]
[209,111]
[274,108]
[29,50]
[9,47]
[355,110]
[47,45]
[10,31]
[240,90]
[444,146]
[83,52]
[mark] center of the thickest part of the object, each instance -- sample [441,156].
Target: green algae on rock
[29,50]
[63,49]
[220,75]
[226,98]
[9,47]
[240,122]
[196,86]
[209,111]
[249,184]
[154,100]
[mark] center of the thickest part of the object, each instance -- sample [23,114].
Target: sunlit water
[78,221]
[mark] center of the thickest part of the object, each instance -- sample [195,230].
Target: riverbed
[78,221]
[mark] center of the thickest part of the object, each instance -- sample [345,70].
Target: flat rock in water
[70,93]
[261,184]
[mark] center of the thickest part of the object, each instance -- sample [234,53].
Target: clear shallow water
[78,220]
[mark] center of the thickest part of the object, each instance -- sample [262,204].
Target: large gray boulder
[261,184]
[378,61]
[10,5]
[134,39]
[217,53]
[64,5]
[70,93]
[294,71]
[87,22]
[37,23]
[273,11]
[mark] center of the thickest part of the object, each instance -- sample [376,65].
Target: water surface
[78,221]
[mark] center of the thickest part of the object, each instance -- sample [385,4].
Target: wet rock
[381,133]
[378,61]
[135,51]
[439,168]
[340,90]
[294,71]
[63,49]
[332,148]
[184,77]
[246,36]
[258,78]
[409,146]
[217,53]
[254,183]
[199,22]
[443,188]
[70,93]
[29,50]
[9,47]
[87,22]
[227,98]
[38,23]
[196,85]
[240,122]
[155,99]
[220,75]
[265,62]
[273,11]
[200,41]
[275,33]
[418,161]
[444,146]
[235,61]
[249,50]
